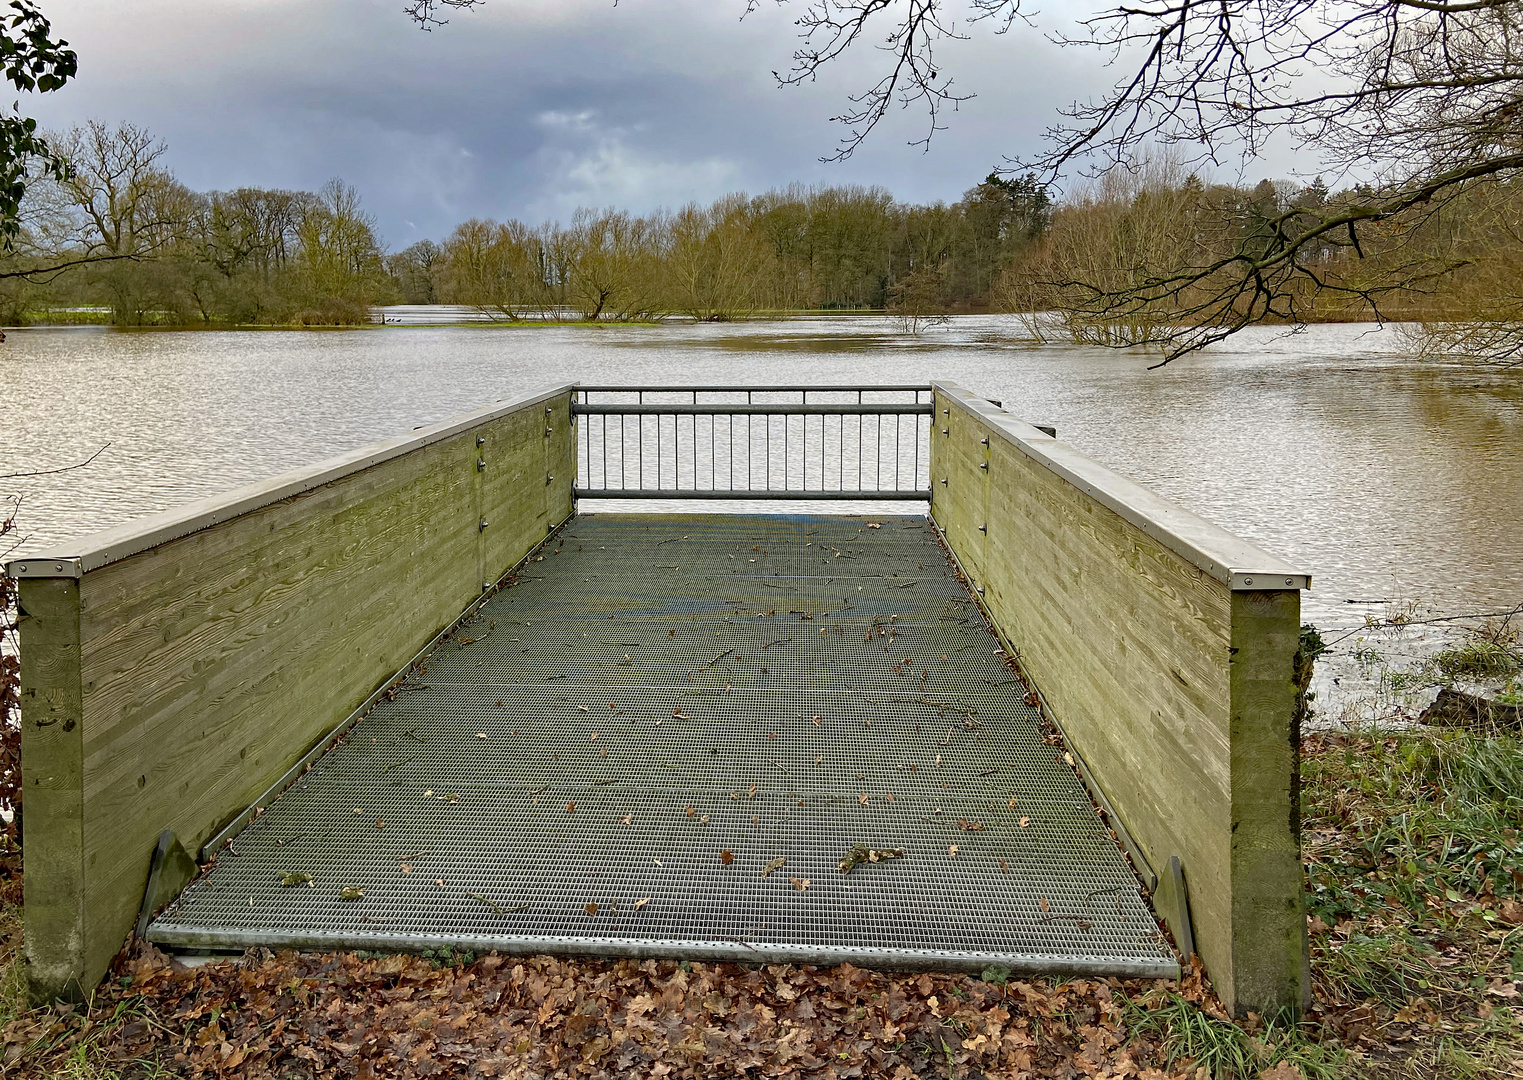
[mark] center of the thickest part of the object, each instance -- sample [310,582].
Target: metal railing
[753,442]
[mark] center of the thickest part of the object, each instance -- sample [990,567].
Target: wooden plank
[51,766]
[204,667]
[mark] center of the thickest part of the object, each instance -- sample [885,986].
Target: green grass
[1422,821]
[1415,868]
[1228,1051]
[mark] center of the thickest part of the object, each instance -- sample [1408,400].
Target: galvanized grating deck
[697,685]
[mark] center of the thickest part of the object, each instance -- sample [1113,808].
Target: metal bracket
[549,479]
[483,525]
[169,871]
[1242,582]
[481,440]
[481,464]
[984,465]
[549,432]
[53,568]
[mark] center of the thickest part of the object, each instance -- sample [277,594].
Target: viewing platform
[698,715]
[436,693]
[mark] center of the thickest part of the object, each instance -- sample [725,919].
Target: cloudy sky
[528,108]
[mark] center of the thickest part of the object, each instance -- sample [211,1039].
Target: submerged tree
[1422,99]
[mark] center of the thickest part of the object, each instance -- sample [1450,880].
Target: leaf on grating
[861,853]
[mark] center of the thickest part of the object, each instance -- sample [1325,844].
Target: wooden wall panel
[203,667]
[1158,676]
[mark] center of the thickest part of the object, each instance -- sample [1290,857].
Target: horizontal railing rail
[816,443]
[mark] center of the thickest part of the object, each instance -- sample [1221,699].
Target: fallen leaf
[753,790]
[969,826]
[773,864]
[817,721]
[641,903]
[481,734]
[290,878]
[1003,865]
[800,883]
[406,867]
[1068,758]
[627,819]
[952,850]
[938,759]
[351,892]
[591,909]
[1024,822]
[1283,1071]
[874,525]
[1031,700]
[379,824]
[594,737]
[499,704]
[862,798]
[571,808]
[1043,904]
[726,856]
[691,812]
[861,853]
[703,819]
[1012,803]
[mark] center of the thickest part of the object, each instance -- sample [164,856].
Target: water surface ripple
[1382,476]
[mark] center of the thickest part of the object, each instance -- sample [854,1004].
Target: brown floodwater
[1388,479]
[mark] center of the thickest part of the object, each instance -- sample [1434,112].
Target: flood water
[1387,479]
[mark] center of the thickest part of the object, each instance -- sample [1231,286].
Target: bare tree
[717,260]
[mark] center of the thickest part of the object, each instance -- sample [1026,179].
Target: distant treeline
[153,251]
[125,236]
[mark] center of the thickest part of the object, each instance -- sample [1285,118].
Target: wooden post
[52,768]
[1269,964]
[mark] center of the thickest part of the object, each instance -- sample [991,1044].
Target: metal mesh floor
[611,755]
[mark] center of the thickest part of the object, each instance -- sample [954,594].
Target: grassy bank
[1415,889]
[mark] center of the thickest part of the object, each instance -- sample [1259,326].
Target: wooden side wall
[169,689]
[1175,691]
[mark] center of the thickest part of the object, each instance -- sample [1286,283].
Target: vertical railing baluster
[897,444]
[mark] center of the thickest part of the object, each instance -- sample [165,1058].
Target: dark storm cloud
[523,108]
